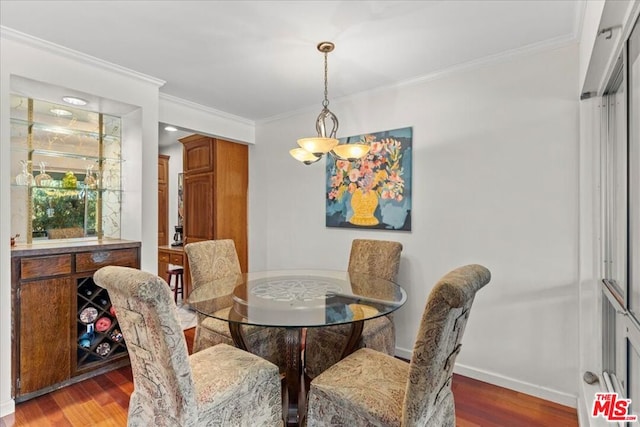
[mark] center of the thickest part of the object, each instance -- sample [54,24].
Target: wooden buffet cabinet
[216,179]
[163,199]
[54,299]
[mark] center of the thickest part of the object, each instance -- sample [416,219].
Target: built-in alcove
[74,191]
[66,164]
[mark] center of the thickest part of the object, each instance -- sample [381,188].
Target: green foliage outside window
[55,208]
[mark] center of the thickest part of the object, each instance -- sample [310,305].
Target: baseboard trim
[403,353]
[8,407]
[545,393]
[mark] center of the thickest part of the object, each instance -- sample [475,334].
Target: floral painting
[375,191]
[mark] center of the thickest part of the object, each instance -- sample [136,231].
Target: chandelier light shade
[313,148]
[304,156]
[317,145]
[351,152]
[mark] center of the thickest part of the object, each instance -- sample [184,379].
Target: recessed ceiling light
[170,128]
[74,100]
[61,112]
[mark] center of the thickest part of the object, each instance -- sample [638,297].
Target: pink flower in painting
[342,164]
[354,174]
[376,147]
[336,180]
[367,167]
[395,177]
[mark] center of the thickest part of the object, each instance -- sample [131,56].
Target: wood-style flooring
[104,400]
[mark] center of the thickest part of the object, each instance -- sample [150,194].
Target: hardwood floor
[482,404]
[104,400]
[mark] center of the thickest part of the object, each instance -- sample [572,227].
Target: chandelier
[313,148]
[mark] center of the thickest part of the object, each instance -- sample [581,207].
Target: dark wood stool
[178,286]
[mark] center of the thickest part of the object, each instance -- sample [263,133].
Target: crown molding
[501,57]
[11,34]
[205,109]
[505,56]
[578,21]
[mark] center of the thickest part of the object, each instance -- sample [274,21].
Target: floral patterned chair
[371,388]
[216,259]
[323,346]
[221,385]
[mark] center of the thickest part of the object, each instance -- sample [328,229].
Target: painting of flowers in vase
[374,191]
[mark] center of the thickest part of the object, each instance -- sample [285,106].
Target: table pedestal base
[293,378]
[295,396]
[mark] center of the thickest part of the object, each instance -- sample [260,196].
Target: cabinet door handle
[100,256]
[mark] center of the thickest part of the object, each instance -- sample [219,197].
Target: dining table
[296,300]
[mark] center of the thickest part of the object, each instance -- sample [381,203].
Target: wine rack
[99,337]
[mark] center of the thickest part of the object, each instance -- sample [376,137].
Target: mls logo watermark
[612,408]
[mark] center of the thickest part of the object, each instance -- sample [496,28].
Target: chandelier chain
[325,103]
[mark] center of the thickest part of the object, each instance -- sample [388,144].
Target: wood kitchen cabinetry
[163,200]
[173,255]
[163,208]
[54,304]
[216,179]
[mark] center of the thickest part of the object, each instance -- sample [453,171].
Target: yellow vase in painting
[364,205]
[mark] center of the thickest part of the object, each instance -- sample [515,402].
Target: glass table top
[297,298]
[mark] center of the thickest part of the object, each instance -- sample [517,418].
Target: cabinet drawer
[176,259]
[163,257]
[44,266]
[89,261]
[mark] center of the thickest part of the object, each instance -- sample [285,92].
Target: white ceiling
[258,59]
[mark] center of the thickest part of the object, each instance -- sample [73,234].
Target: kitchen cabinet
[163,199]
[163,207]
[175,256]
[216,179]
[63,326]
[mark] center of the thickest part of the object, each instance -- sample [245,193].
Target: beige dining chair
[323,346]
[372,388]
[216,259]
[221,385]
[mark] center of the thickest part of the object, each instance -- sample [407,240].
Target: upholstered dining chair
[221,385]
[216,259]
[371,388]
[323,346]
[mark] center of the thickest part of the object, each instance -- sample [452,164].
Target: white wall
[495,182]
[36,60]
